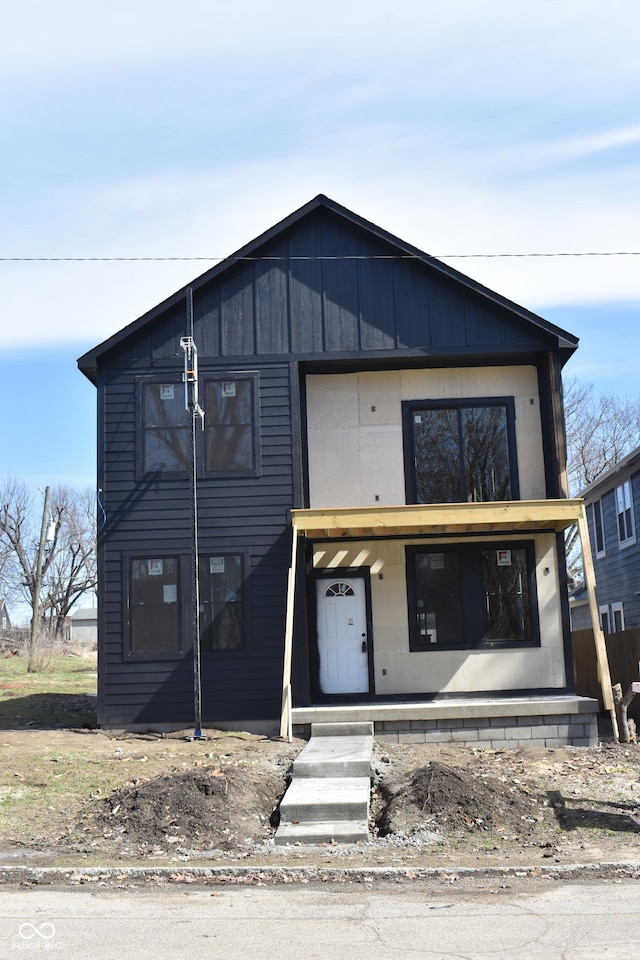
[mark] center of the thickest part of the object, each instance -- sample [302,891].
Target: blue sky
[156,129]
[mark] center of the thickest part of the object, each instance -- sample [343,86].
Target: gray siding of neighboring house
[618,572]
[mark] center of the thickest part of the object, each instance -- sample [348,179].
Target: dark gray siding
[248,515]
[328,288]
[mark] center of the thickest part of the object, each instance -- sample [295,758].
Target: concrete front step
[328,756]
[327,798]
[352,729]
[323,831]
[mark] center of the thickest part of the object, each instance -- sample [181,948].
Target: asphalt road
[567,921]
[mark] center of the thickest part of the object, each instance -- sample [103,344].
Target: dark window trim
[220,377]
[411,406]
[175,378]
[130,655]
[471,594]
[245,567]
[141,382]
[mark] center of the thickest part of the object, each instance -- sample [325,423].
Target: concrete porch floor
[549,721]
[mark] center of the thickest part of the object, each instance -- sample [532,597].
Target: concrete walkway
[328,798]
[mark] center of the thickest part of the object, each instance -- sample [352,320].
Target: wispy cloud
[141,130]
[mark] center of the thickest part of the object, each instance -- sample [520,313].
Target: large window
[471,595]
[230,443]
[154,607]
[221,607]
[165,428]
[231,429]
[624,510]
[461,451]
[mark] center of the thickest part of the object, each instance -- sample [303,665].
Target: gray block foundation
[553,721]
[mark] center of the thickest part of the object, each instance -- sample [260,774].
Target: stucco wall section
[398,670]
[354,424]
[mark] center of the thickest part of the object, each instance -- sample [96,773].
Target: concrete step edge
[323,832]
[350,728]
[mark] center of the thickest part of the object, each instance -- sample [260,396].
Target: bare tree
[68,565]
[601,430]
[71,572]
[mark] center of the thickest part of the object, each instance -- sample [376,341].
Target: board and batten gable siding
[618,572]
[242,514]
[277,305]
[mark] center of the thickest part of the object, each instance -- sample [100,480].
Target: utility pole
[37,586]
[195,411]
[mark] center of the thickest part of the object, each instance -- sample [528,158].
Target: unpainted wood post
[604,674]
[286,731]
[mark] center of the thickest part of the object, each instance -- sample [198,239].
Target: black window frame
[175,380]
[229,376]
[472,595]
[245,605]
[143,383]
[183,585]
[411,407]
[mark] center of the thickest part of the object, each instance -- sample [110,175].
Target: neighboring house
[83,627]
[399,424]
[613,511]
[5,619]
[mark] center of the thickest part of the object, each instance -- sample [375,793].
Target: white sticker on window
[436,561]
[228,389]
[503,558]
[155,568]
[170,592]
[167,391]
[216,564]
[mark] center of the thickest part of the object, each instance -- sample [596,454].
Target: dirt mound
[202,809]
[438,795]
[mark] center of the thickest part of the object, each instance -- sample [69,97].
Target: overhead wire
[408,256]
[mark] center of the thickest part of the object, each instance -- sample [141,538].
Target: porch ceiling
[438,518]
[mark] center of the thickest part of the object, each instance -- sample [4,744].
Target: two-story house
[612,504]
[381,498]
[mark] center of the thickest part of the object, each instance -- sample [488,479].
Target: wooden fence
[623,653]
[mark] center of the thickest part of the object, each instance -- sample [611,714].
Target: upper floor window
[165,428]
[598,528]
[624,510]
[230,443]
[231,425]
[461,451]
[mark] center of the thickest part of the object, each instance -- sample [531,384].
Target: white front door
[342,635]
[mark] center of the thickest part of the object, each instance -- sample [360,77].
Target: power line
[439,256]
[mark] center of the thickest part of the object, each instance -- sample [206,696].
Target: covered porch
[497,719]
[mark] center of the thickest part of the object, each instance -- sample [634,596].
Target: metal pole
[37,586]
[194,410]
